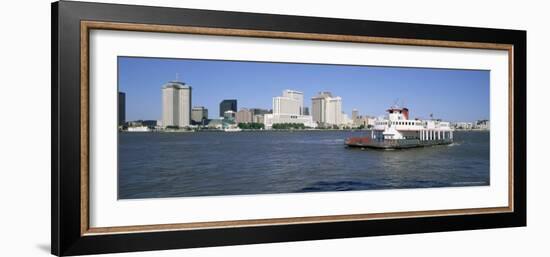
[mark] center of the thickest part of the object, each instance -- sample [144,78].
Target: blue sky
[452,95]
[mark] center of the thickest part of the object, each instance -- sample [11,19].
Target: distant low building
[215,124]
[463,125]
[306,111]
[258,118]
[270,119]
[151,124]
[362,121]
[346,121]
[199,114]
[229,114]
[259,111]
[244,116]
[483,124]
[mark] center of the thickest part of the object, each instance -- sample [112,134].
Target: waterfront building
[346,121]
[258,118]
[354,115]
[176,104]
[270,119]
[215,124]
[259,111]
[227,105]
[360,120]
[306,111]
[463,125]
[244,116]
[229,115]
[149,123]
[258,114]
[327,109]
[199,114]
[121,108]
[369,121]
[483,124]
[288,108]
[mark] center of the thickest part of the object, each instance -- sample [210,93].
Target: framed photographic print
[178,128]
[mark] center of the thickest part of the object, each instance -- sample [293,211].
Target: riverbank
[248,130]
[275,130]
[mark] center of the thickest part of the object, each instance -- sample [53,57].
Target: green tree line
[288,126]
[251,125]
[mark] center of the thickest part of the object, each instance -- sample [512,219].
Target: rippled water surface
[219,163]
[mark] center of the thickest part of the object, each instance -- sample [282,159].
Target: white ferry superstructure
[397,131]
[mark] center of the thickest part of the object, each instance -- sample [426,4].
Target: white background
[25,128]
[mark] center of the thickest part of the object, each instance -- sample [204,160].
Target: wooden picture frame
[71,25]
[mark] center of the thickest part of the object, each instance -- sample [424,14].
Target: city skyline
[455,95]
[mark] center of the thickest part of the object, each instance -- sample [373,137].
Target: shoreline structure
[288,113]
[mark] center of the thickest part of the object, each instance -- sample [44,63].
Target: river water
[153,165]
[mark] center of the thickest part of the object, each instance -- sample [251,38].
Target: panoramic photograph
[191,127]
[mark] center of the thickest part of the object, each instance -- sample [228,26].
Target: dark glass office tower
[228,105]
[121,108]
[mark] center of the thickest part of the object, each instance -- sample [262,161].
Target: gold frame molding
[86,26]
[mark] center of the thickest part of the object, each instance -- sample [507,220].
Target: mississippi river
[153,165]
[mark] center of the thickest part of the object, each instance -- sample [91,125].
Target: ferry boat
[397,131]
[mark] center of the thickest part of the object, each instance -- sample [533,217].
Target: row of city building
[288,108]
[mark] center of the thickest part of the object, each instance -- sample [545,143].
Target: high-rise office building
[354,114]
[298,97]
[334,111]
[199,114]
[227,105]
[176,104]
[326,109]
[319,105]
[285,105]
[121,108]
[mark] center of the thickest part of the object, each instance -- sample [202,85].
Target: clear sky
[452,95]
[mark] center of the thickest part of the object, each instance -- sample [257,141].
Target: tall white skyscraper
[288,108]
[176,104]
[298,97]
[334,110]
[327,109]
[285,105]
